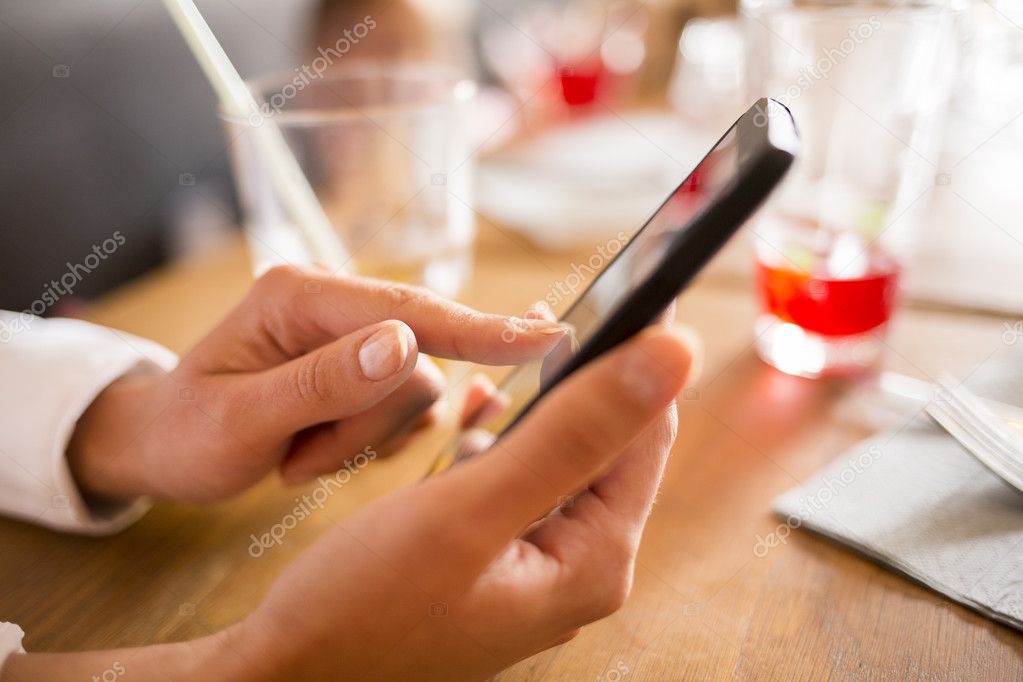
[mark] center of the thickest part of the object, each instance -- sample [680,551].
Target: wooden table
[703,606]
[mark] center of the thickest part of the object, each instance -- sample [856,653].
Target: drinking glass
[386,150]
[868,84]
[567,55]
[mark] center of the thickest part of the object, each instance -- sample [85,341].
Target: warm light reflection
[792,352]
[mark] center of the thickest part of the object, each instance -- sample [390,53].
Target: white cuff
[51,371]
[10,642]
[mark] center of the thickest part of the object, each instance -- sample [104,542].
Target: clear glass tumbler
[387,150]
[868,84]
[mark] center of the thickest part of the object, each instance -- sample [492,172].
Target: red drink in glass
[580,84]
[819,318]
[826,305]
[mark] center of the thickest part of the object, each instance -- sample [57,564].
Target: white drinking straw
[286,175]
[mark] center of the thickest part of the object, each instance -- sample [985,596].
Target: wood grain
[703,605]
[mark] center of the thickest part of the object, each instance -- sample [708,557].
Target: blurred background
[584,116]
[107,123]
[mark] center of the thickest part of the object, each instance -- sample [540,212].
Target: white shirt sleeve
[10,642]
[51,371]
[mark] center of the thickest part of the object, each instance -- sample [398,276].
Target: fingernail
[384,353]
[541,326]
[646,377]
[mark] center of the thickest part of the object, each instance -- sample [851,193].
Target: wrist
[106,451]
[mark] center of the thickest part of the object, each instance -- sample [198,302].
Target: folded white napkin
[917,502]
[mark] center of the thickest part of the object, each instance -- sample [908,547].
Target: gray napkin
[916,501]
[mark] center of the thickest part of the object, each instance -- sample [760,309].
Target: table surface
[703,606]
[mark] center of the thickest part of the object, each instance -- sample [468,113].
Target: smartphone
[660,259]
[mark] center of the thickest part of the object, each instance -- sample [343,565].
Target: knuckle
[619,593]
[311,382]
[280,274]
[280,279]
[402,296]
[567,637]
[225,408]
[605,586]
[612,590]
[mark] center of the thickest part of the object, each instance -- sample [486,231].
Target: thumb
[573,436]
[338,380]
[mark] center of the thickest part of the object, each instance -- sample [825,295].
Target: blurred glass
[990,83]
[706,86]
[868,84]
[564,56]
[386,149]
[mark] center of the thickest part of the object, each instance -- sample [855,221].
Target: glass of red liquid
[867,84]
[825,311]
[565,58]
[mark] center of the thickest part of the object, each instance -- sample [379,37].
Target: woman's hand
[465,573]
[499,558]
[307,371]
